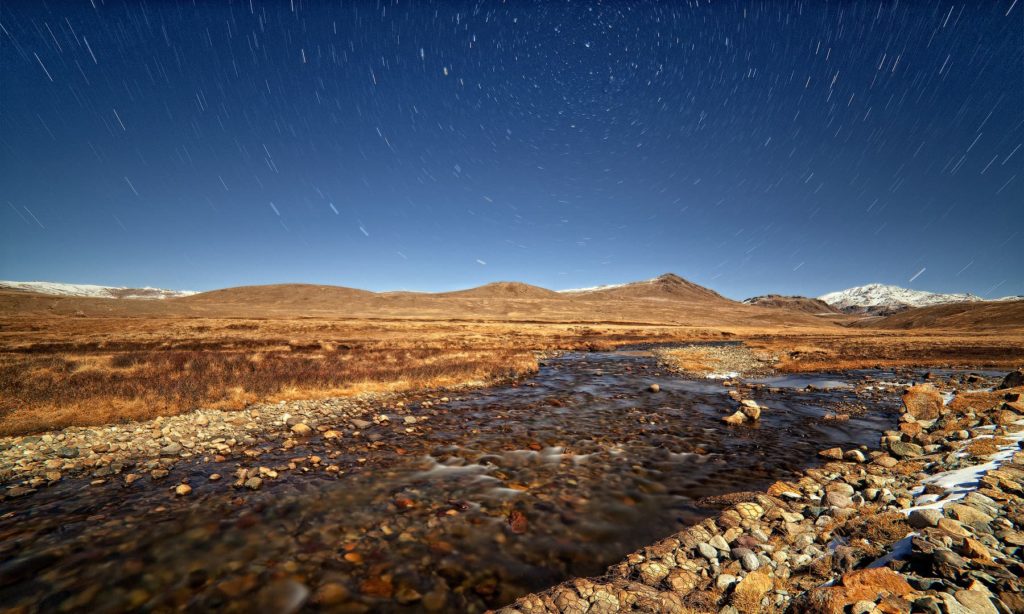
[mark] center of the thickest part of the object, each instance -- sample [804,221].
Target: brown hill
[987,315]
[664,287]
[800,304]
[279,296]
[505,289]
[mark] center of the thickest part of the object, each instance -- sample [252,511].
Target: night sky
[753,147]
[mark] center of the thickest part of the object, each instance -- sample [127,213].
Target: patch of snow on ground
[964,480]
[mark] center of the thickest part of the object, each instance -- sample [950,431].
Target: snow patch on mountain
[93,291]
[604,287]
[882,299]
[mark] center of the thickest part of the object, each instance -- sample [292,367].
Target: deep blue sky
[754,147]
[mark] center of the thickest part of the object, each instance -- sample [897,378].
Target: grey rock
[708,551]
[903,449]
[171,449]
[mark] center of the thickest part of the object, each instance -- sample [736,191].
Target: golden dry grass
[73,361]
[62,371]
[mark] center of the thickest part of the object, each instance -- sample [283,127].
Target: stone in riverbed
[832,453]
[1013,379]
[301,429]
[331,593]
[854,456]
[736,418]
[654,388]
[171,449]
[923,402]
[903,449]
[750,409]
[67,452]
[182,490]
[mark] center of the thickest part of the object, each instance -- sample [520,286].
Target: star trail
[795,147]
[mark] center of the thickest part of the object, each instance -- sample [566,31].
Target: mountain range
[882,299]
[667,299]
[93,291]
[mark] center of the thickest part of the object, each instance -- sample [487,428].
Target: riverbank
[930,521]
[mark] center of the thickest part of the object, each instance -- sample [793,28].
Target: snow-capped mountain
[92,291]
[882,299]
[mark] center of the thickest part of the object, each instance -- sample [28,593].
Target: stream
[497,493]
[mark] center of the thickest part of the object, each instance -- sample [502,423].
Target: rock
[182,490]
[837,499]
[832,453]
[947,564]
[923,402]
[253,483]
[854,456]
[68,452]
[750,409]
[283,597]
[653,572]
[1013,379]
[654,388]
[719,543]
[708,551]
[171,449]
[361,424]
[749,511]
[977,602]
[682,581]
[967,514]
[902,449]
[301,429]
[863,606]
[886,461]
[19,491]
[920,519]
[735,419]
[724,581]
[749,561]
[331,593]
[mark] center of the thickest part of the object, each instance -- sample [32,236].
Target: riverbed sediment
[460,500]
[931,521]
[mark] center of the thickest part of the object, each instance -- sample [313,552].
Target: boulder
[1013,379]
[902,449]
[736,418]
[750,409]
[832,453]
[923,402]
[920,519]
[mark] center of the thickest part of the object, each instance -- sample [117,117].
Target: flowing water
[501,492]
